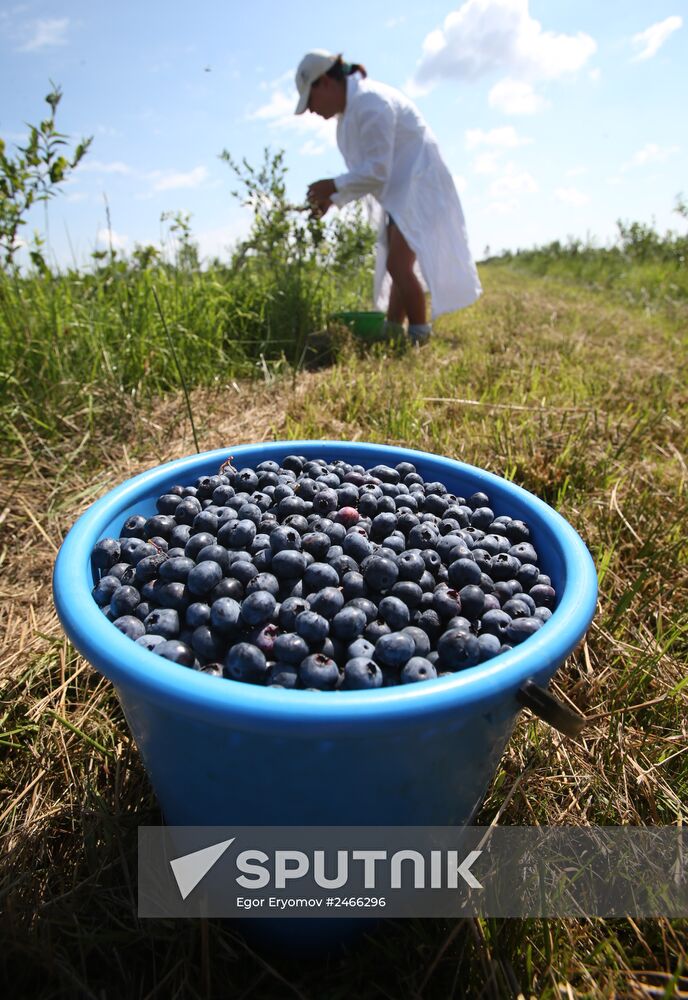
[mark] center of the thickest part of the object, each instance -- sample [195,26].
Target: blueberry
[291,648]
[394,612]
[348,624]
[422,536]
[237,534]
[477,500]
[463,571]
[361,673]
[375,629]
[458,649]
[517,531]
[105,554]
[380,573]
[104,589]
[527,575]
[417,669]
[420,638]
[163,621]
[178,652]
[327,602]
[288,564]
[124,600]
[124,572]
[285,537]
[482,517]
[317,543]
[429,621]
[495,623]
[186,511]
[366,606]
[516,609]
[167,503]
[543,595]
[133,527]
[409,593]
[196,543]
[288,611]
[446,602]
[242,570]
[319,575]
[130,625]
[215,553]
[524,553]
[472,601]
[263,581]
[432,561]
[312,627]
[284,675]
[544,614]
[504,567]
[359,647]
[264,638]
[245,662]
[521,628]
[489,646]
[197,614]
[227,587]
[319,672]
[394,649]
[176,570]
[150,640]
[224,615]
[203,577]
[353,585]
[149,567]
[357,544]
[411,565]
[258,608]
[207,643]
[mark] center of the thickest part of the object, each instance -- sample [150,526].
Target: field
[574,390]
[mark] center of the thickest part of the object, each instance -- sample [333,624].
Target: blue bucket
[221,753]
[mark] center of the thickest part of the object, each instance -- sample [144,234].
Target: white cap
[311,68]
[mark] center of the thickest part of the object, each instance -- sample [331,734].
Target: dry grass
[579,400]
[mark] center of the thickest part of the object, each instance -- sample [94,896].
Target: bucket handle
[548,708]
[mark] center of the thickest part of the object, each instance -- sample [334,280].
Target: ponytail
[342,69]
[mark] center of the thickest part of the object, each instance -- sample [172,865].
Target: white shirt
[392,154]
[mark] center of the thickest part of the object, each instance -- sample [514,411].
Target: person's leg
[407,297]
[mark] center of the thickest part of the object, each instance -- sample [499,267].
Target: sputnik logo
[189,869]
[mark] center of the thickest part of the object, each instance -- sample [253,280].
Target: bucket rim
[130,666]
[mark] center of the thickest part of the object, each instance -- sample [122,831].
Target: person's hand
[319,196]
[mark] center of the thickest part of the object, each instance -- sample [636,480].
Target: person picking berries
[391,153]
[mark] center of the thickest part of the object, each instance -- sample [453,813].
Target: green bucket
[366,325]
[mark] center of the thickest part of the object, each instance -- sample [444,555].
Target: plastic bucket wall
[219,752]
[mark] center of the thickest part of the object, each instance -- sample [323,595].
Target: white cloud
[577,171]
[571,196]
[99,167]
[487,163]
[460,183]
[650,153]
[505,138]
[516,97]
[45,33]
[484,36]
[278,114]
[512,182]
[108,237]
[313,147]
[173,181]
[649,42]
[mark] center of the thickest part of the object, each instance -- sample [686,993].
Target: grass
[579,396]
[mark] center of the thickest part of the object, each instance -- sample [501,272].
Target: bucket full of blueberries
[324,632]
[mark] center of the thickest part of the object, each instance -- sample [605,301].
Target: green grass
[578,395]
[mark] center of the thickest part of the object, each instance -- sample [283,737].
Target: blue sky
[555,118]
